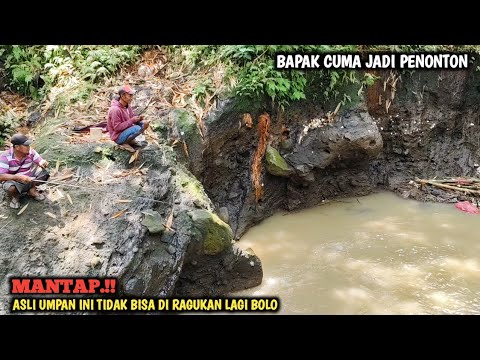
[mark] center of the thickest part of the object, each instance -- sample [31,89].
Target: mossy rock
[161,128]
[191,187]
[216,235]
[276,164]
[186,124]
[154,222]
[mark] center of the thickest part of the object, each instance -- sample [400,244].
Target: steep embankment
[146,221]
[423,124]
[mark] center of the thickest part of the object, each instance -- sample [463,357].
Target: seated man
[17,172]
[122,125]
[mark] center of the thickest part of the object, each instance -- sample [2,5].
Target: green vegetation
[60,75]
[57,75]
[34,70]
[250,70]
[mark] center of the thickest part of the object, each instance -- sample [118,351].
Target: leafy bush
[34,70]
[67,73]
[251,69]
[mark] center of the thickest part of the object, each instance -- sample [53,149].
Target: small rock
[153,222]
[171,250]
[97,241]
[198,203]
[286,144]
[233,195]
[96,261]
[252,263]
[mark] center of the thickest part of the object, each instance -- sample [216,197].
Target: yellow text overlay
[145,304]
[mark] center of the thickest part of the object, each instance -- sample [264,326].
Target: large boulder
[350,139]
[140,221]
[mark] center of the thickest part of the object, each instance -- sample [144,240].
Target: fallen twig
[6,224]
[450,187]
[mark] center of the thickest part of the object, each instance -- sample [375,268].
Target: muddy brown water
[378,254]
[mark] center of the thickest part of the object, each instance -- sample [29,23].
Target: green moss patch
[216,235]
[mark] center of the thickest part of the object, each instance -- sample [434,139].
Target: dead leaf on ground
[60,178]
[134,157]
[23,209]
[120,213]
[53,216]
[59,193]
[169,223]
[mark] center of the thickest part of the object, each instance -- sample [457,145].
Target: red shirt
[119,119]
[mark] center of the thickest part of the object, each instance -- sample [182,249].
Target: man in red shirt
[122,125]
[18,173]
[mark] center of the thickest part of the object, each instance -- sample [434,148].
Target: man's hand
[146,124]
[137,119]
[43,164]
[23,178]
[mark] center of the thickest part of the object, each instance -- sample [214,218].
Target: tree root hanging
[257,169]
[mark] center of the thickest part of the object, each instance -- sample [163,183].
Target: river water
[378,254]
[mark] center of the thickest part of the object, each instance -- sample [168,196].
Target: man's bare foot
[127,147]
[138,144]
[36,195]
[14,203]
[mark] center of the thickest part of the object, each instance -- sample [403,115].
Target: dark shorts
[23,188]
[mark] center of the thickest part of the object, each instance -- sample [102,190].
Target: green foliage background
[253,70]
[26,65]
[33,71]
[249,70]
[251,66]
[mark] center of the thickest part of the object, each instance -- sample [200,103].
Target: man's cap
[126,89]
[20,139]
